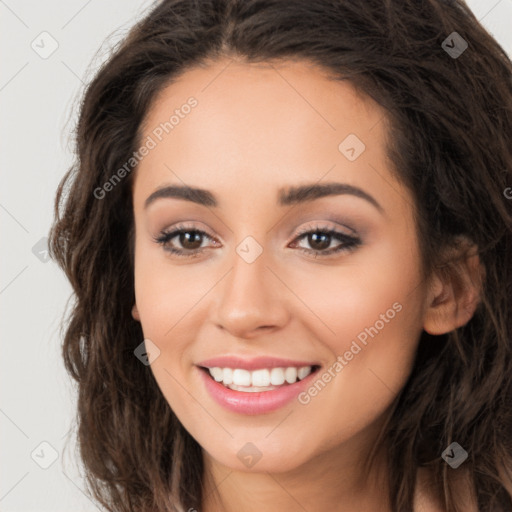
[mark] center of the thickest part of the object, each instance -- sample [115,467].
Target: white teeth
[227,374]
[304,372]
[290,374]
[236,378]
[241,377]
[277,376]
[251,389]
[217,373]
[261,378]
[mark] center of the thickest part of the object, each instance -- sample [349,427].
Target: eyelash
[350,242]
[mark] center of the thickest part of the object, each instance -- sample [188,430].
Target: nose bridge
[250,295]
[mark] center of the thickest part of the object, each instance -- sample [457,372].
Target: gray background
[37,105]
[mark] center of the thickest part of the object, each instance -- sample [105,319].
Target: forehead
[226,85]
[265,123]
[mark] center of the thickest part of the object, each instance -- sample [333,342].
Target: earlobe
[135,313]
[454,293]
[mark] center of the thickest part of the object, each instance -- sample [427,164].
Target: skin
[257,129]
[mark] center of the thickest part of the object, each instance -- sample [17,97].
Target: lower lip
[254,402]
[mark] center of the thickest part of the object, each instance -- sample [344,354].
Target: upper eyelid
[317,226]
[325,226]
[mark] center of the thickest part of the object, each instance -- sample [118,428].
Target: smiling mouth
[263,379]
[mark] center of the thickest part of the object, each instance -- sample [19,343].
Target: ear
[135,313]
[455,289]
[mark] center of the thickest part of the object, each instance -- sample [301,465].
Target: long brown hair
[450,141]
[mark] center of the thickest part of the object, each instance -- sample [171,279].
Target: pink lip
[256,363]
[254,403]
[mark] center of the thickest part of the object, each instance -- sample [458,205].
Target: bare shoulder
[425,500]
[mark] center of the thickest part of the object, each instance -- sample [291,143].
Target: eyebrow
[286,197]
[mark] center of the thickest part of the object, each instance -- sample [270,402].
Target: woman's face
[353,310]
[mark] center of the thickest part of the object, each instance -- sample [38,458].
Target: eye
[320,239]
[188,237]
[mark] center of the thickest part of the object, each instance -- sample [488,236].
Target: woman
[288,232]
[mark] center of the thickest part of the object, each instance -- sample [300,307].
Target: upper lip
[255,363]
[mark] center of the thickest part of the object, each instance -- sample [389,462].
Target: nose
[251,299]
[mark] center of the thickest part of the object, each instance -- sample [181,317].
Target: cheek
[168,299]
[371,322]
[375,288]
[163,313]
[369,316]
[166,293]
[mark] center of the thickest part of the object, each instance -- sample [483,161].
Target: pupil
[186,240]
[313,239]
